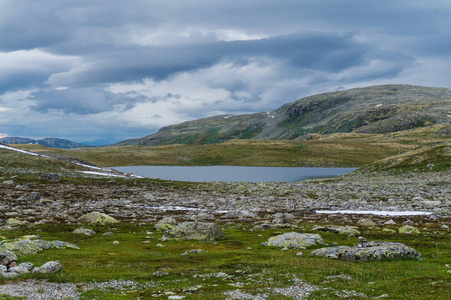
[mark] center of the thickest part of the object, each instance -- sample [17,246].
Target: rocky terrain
[401,199]
[377,109]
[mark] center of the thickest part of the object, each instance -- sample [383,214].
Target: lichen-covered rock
[83,230]
[295,240]
[14,222]
[376,250]
[166,224]
[366,223]
[49,267]
[98,218]
[7,257]
[346,230]
[33,196]
[408,229]
[29,247]
[201,231]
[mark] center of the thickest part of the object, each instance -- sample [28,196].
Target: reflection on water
[233,173]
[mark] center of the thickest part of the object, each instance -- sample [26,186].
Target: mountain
[48,142]
[376,109]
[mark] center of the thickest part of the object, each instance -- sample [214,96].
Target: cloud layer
[87,70]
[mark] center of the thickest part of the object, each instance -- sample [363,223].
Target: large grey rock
[34,196]
[7,257]
[83,230]
[207,232]
[23,247]
[98,218]
[346,230]
[295,240]
[19,270]
[376,250]
[14,222]
[49,267]
[166,224]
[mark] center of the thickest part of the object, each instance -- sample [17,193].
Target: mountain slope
[48,142]
[377,109]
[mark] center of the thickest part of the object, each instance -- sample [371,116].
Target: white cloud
[3,135]
[33,61]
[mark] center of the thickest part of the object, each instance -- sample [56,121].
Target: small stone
[299,254]
[159,274]
[145,242]
[116,243]
[160,245]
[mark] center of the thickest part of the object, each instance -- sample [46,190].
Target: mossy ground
[255,270]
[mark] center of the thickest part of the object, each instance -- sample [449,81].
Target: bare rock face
[207,232]
[295,240]
[376,250]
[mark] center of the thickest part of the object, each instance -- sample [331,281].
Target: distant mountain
[48,142]
[376,109]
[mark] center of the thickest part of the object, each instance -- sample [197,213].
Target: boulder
[29,247]
[366,223]
[407,229]
[295,240]
[202,231]
[346,230]
[14,222]
[34,196]
[49,267]
[52,177]
[166,224]
[98,218]
[376,250]
[7,257]
[83,230]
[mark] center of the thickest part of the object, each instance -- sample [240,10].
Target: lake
[234,173]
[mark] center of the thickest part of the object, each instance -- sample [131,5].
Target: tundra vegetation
[127,257]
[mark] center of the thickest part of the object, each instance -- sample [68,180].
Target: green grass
[257,269]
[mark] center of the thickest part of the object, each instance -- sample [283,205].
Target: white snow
[100,173]
[104,173]
[379,105]
[375,212]
[21,151]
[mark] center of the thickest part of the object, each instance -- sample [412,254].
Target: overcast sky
[94,69]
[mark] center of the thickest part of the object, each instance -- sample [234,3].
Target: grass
[335,150]
[254,270]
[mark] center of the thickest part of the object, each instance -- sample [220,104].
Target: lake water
[234,173]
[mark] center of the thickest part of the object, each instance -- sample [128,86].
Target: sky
[104,71]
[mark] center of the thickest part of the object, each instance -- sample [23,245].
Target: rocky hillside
[48,142]
[377,109]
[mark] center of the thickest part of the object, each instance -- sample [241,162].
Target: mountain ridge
[374,109]
[48,142]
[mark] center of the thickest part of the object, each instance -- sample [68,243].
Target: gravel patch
[41,289]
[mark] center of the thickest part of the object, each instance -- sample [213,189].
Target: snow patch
[100,173]
[21,151]
[375,212]
[379,105]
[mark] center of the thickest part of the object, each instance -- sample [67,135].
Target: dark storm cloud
[70,52]
[317,51]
